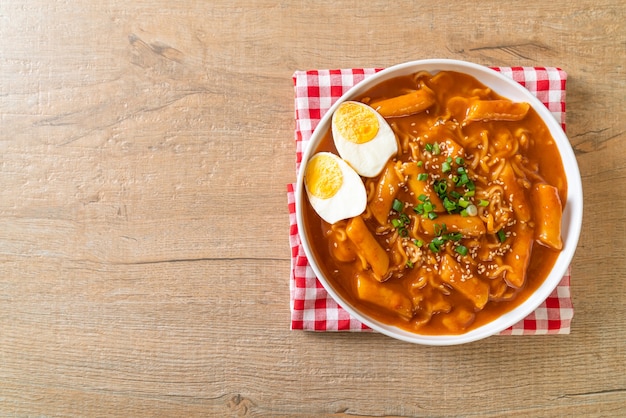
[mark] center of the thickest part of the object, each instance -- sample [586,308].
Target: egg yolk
[323,177]
[357,124]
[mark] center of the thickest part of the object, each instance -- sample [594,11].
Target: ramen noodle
[463,223]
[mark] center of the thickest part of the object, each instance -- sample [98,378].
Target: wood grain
[144,258]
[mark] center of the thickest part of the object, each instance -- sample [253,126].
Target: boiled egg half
[363,138]
[334,189]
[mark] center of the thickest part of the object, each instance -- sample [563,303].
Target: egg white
[369,158]
[349,201]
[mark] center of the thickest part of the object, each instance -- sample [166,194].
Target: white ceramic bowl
[572,215]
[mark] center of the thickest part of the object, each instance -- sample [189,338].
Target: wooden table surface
[144,254]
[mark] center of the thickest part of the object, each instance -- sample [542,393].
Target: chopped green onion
[422,176]
[397,205]
[464,203]
[445,167]
[455,194]
[425,208]
[409,264]
[460,161]
[464,213]
[472,210]
[436,149]
[400,224]
[422,197]
[449,205]
[454,236]
[435,244]
[463,180]
[428,147]
[483,203]
[501,235]
[418,242]
[461,170]
[420,163]
[441,187]
[470,186]
[461,249]
[469,193]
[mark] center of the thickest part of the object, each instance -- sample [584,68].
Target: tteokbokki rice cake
[433,204]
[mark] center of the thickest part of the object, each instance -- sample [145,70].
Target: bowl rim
[572,214]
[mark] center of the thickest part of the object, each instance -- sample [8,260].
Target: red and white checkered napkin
[312,308]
